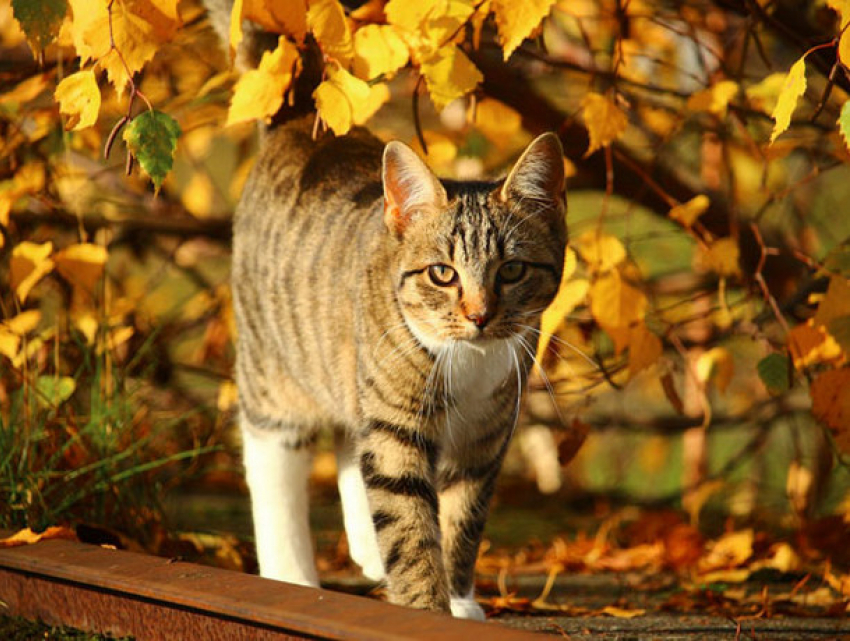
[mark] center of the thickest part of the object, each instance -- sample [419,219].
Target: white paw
[364,552]
[466,608]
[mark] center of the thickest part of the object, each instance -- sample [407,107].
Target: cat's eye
[442,275]
[512,271]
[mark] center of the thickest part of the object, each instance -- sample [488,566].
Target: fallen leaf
[28,536]
[622,613]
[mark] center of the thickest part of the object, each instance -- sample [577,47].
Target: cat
[402,312]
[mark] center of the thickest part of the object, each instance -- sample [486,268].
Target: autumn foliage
[707,280]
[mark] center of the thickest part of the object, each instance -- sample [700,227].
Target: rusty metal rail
[124,593]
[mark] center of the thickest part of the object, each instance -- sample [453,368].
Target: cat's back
[309,214]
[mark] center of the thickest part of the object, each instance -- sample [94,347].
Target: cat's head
[476,261]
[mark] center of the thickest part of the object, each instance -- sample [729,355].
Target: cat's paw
[466,608]
[373,569]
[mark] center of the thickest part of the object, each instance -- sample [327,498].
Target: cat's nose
[479,319]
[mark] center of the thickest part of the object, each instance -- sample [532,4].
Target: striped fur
[341,324]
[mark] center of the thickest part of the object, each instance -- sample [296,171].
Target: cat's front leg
[397,464]
[466,480]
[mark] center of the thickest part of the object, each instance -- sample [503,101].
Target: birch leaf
[152,138]
[260,92]
[604,120]
[517,20]
[327,21]
[40,20]
[449,75]
[29,264]
[79,99]
[786,103]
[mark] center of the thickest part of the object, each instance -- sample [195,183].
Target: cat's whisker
[530,351]
[557,339]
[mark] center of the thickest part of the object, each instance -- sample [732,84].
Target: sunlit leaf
[327,21]
[786,103]
[810,343]
[28,536]
[688,213]
[601,252]
[139,28]
[79,99]
[844,123]
[449,75]
[81,265]
[40,20]
[378,51]
[289,18]
[722,257]
[615,303]
[645,349]
[260,92]
[716,365]
[604,120]
[152,138]
[496,120]
[517,20]
[29,264]
[570,294]
[715,99]
[342,100]
[835,303]
[26,90]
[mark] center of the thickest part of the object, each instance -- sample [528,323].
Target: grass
[82,446]
[18,629]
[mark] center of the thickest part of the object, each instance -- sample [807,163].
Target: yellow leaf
[429,25]
[343,100]
[516,20]
[570,294]
[449,75]
[10,343]
[27,90]
[327,21]
[622,613]
[497,121]
[792,89]
[604,120]
[601,252]
[614,303]
[842,7]
[722,257]
[139,28]
[644,348]
[765,93]
[23,323]
[718,365]
[378,51]
[729,551]
[259,92]
[442,151]
[28,536]
[809,344]
[288,18]
[715,99]
[30,263]
[687,213]
[79,99]
[81,265]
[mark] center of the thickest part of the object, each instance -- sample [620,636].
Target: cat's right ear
[410,188]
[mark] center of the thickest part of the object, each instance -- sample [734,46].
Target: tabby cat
[402,311]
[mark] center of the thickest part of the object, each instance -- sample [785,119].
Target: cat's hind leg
[277,468]
[359,527]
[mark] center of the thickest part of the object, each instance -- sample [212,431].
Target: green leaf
[40,20]
[774,372]
[55,390]
[844,123]
[152,138]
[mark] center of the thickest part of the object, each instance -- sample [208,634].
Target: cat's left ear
[410,188]
[539,174]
